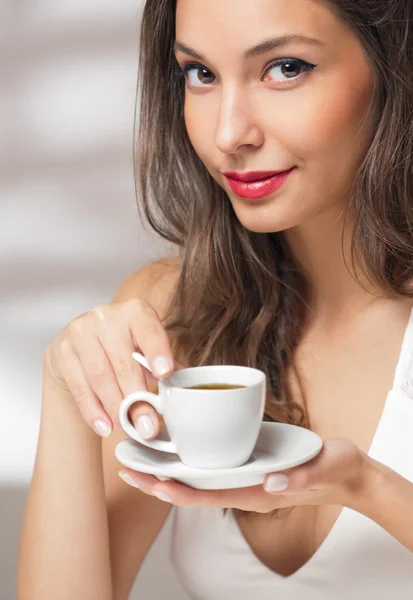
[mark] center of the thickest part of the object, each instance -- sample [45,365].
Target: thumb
[338,460]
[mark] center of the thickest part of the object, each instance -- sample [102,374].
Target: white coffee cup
[208,429]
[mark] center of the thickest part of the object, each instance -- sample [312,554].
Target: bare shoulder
[154,283]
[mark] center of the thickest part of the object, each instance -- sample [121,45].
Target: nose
[236,126]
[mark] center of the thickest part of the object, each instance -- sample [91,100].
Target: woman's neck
[322,248]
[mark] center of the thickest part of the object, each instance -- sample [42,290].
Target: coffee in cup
[214,386]
[211,425]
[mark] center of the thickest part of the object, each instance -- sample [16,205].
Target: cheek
[343,123]
[200,122]
[333,122]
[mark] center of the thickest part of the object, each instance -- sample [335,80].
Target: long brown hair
[241,298]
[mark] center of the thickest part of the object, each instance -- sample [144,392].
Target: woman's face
[245,113]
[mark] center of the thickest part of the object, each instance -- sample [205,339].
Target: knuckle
[138,306]
[122,366]
[100,312]
[299,479]
[80,323]
[64,346]
[153,329]
[76,327]
[96,371]
[80,393]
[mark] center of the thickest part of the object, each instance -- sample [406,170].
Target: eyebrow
[262,48]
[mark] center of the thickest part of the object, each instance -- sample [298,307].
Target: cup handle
[156,402]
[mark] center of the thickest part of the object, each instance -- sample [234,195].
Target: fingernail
[145,427]
[161,365]
[276,483]
[128,479]
[162,496]
[102,428]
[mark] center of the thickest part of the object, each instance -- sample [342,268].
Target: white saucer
[279,446]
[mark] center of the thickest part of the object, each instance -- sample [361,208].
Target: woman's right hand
[92,359]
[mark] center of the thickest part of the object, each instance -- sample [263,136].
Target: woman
[306,274]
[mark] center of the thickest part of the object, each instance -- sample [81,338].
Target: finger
[149,429]
[151,421]
[250,498]
[142,481]
[130,375]
[118,346]
[97,367]
[149,335]
[297,479]
[89,405]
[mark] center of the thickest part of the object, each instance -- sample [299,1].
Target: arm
[64,545]
[84,532]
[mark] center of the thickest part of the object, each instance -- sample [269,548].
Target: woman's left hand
[337,475]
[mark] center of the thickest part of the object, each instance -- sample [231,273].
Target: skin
[246,118]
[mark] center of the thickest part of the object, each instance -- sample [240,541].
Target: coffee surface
[215,386]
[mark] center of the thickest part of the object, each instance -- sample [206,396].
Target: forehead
[238,23]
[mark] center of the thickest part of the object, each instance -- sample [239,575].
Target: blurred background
[69,227]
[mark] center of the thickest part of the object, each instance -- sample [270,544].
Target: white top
[357,560]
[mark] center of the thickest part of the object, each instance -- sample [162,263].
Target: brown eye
[205,76]
[285,69]
[198,75]
[290,70]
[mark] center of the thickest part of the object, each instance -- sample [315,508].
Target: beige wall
[69,228]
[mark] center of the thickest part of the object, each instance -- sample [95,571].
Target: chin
[264,221]
[269,215]
[263,227]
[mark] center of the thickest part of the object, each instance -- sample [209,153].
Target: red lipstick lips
[255,185]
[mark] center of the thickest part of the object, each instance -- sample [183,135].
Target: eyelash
[304,65]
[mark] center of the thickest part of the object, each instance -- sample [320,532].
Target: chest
[343,386]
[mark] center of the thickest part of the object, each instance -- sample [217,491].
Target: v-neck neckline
[329,541]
